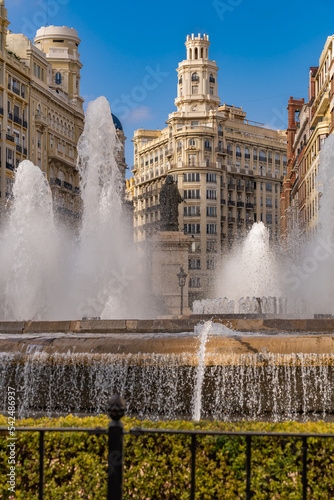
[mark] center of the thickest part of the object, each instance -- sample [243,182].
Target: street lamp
[182,282]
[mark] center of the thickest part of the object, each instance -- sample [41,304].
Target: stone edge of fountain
[241,323]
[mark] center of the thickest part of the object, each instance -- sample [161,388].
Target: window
[262,156]
[254,154]
[194,282]
[269,202]
[194,89]
[191,194]
[210,264]
[211,90]
[276,203]
[220,130]
[211,211]
[194,77]
[58,79]
[211,178]
[194,264]
[192,211]
[211,194]
[207,145]
[238,152]
[229,149]
[195,246]
[180,80]
[212,78]
[211,246]
[269,218]
[247,155]
[211,229]
[192,142]
[191,177]
[269,187]
[192,228]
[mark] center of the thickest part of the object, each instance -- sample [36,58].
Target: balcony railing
[249,206]
[25,151]
[25,124]
[221,150]
[9,166]
[10,138]
[17,119]
[231,203]
[10,116]
[240,204]
[240,221]
[231,220]
[18,148]
[230,185]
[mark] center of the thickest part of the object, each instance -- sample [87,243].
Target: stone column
[169,253]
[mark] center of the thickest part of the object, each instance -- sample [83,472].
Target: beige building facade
[228,169]
[309,125]
[55,116]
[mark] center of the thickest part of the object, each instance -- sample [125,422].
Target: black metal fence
[116,434]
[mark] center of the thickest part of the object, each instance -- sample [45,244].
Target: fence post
[116,410]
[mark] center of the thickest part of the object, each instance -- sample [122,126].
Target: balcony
[10,116]
[240,204]
[230,186]
[240,221]
[240,186]
[18,148]
[55,182]
[220,133]
[25,151]
[9,166]
[249,188]
[10,138]
[25,124]
[40,120]
[249,206]
[16,90]
[231,203]
[17,120]
[231,220]
[247,156]
[223,218]
[238,155]
[207,148]
[221,151]
[223,202]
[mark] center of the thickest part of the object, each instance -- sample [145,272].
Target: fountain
[234,367]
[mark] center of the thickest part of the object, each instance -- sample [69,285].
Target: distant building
[229,170]
[309,125]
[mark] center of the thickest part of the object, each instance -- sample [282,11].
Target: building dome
[117,123]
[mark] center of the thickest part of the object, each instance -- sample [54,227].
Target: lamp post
[182,282]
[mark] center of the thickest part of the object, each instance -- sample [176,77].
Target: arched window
[212,78]
[61,175]
[229,148]
[202,53]
[238,152]
[262,156]
[192,142]
[194,77]
[220,130]
[179,145]
[58,79]
[196,53]
[254,154]
[207,145]
[247,155]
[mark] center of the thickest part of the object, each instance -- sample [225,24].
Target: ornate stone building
[309,125]
[56,116]
[228,169]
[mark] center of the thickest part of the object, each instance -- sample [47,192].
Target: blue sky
[130,51]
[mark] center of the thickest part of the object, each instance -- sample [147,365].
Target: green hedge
[157,467]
